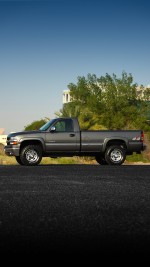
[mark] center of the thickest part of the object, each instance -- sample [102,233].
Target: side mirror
[52,129]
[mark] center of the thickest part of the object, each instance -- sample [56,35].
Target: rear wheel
[101,160]
[31,155]
[115,155]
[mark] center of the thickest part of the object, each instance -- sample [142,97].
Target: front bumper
[12,150]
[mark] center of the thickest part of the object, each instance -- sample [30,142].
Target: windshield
[47,125]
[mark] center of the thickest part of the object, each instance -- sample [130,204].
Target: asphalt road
[75,210]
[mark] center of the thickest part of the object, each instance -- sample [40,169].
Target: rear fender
[114,141]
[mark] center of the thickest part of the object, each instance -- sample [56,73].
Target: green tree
[69,110]
[107,102]
[81,105]
[35,125]
[146,94]
[119,101]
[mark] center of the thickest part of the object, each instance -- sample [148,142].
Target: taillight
[142,136]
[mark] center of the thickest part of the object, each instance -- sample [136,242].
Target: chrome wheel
[32,156]
[116,155]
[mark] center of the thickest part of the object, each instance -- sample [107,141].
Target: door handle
[71,135]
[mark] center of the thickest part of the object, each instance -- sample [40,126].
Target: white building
[66,96]
[140,91]
[3,137]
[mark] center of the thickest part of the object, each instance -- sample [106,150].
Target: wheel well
[116,142]
[31,142]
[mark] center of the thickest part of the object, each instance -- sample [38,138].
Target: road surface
[75,210]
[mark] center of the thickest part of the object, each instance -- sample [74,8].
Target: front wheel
[19,160]
[115,155]
[31,155]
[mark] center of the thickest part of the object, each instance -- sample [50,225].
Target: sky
[45,45]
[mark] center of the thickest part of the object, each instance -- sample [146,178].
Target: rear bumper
[144,147]
[137,147]
[12,150]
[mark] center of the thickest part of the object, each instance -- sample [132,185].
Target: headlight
[13,141]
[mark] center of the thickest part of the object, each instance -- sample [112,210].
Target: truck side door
[63,138]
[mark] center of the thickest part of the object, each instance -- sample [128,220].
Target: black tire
[31,155]
[101,160]
[19,160]
[115,155]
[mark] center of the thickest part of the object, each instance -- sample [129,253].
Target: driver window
[64,126]
[60,126]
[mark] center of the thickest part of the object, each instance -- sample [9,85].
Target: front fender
[32,140]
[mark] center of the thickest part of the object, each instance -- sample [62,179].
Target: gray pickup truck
[62,137]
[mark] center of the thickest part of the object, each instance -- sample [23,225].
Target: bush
[147,142]
[2,149]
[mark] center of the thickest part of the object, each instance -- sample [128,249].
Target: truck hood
[23,133]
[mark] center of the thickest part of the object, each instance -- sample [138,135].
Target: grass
[6,160]
[137,158]
[65,160]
